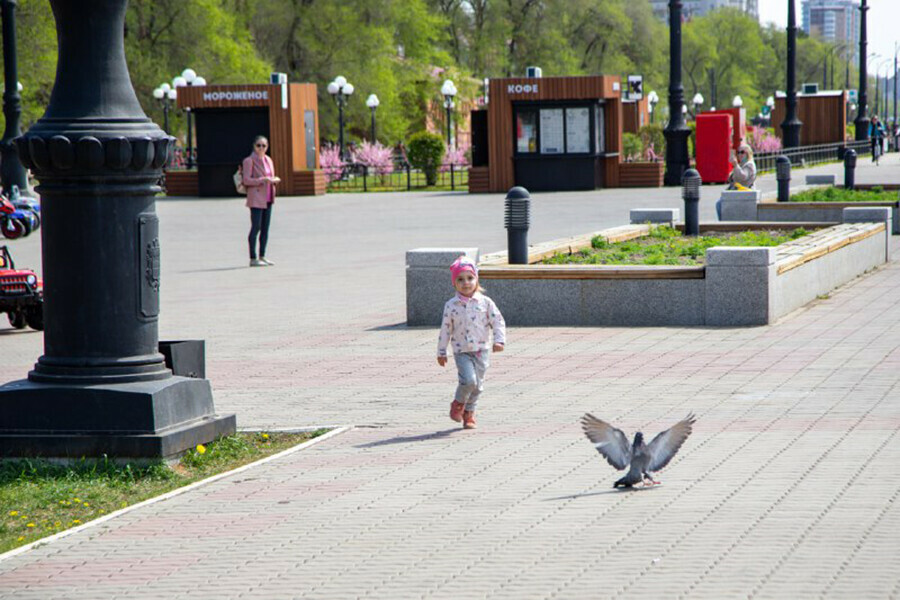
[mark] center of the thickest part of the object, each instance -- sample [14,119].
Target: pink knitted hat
[462,264]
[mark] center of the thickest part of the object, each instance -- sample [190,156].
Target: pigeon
[639,458]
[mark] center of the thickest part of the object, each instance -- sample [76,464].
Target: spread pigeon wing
[666,444]
[609,441]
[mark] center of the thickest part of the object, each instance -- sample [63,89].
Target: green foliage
[836,194]
[631,146]
[425,152]
[665,245]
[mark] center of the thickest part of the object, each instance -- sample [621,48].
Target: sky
[883,18]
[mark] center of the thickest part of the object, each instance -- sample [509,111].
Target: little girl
[467,318]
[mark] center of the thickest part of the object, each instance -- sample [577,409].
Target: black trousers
[259,227]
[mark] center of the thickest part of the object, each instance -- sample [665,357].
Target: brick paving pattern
[788,487]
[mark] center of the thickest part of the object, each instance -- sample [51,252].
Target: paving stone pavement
[788,487]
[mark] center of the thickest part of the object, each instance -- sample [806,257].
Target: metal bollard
[849,169]
[690,193]
[783,175]
[517,221]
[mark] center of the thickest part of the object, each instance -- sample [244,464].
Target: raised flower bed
[737,286]
[827,205]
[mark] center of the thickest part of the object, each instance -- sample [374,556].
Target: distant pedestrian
[258,172]
[468,319]
[743,173]
[876,137]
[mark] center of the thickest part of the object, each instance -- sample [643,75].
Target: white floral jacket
[467,325]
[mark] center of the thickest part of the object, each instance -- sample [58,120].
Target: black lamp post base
[148,419]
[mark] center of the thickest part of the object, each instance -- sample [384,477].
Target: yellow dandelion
[265,436]
[101,511]
[21,537]
[62,502]
[30,525]
[58,523]
[76,499]
[201,449]
[124,504]
[24,517]
[86,504]
[13,513]
[76,522]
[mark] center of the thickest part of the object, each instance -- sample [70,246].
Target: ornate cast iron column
[676,132]
[862,119]
[11,170]
[101,386]
[790,127]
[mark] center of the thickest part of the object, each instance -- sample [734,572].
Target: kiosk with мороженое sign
[229,117]
[548,133]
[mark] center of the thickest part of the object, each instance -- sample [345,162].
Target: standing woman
[258,172]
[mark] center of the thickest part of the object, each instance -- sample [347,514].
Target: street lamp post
[676,132]
[862,120]
[340,90]
[697,101]
[896,52]
[101,387]
[448,91]
[166,95]
[189,78]
[790,127]
[737,102]
[372,102]
[11,170]
[652,100]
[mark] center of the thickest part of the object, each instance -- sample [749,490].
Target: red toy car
[21,294]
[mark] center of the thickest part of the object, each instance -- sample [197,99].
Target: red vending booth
[713,147]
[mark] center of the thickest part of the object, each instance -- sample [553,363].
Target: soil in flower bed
[667,246]
[835,194]
[39,498]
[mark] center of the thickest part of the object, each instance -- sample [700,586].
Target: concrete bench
[667,216]
[821,180]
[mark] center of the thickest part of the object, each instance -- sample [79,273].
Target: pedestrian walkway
[788,487]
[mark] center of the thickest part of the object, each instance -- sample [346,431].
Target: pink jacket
[253,172]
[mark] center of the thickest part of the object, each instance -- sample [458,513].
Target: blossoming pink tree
[378,159]
[330,161]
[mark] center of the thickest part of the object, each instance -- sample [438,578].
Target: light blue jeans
[471,367]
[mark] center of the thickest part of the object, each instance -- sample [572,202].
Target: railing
[805,156]
[357,177]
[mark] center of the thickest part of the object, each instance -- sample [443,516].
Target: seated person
[744,171]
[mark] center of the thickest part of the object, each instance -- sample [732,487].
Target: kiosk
[548,133]
[229,117]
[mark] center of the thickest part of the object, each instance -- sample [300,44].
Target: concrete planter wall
[825,212]
[737,287]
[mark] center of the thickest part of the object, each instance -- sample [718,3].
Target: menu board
[552,131]
[578,129]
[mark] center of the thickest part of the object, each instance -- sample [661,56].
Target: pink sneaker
[456,410]
[469,419]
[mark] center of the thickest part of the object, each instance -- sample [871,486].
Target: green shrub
[425,152]
[631,146]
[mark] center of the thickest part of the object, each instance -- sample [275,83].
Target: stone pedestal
[429,283]
[739,205]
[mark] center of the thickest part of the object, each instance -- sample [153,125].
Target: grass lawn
[835,194]
[39,498]
[667,246]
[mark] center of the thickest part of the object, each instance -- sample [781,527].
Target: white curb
[178,491]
